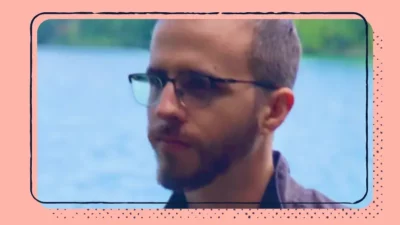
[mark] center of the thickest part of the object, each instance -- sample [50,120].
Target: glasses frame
[262,84]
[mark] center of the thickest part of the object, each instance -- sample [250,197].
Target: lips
[172,144]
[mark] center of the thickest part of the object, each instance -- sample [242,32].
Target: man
[219,89]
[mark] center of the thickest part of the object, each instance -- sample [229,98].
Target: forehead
[209,43]
[203,26]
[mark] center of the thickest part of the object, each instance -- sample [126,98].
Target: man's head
[198,133]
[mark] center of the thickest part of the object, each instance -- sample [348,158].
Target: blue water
[92,142]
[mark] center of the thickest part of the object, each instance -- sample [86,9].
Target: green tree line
[324,36]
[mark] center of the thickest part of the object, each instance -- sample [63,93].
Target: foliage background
[326,37]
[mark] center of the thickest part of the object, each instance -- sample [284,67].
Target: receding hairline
[275,49]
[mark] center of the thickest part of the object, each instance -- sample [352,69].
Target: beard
[204,170]
[200,166]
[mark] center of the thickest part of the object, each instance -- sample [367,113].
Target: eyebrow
[164,73]
[157,71]
[201,73]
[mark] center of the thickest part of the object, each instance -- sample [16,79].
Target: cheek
[151,118]
[150,113]
[217,124]
[232,123]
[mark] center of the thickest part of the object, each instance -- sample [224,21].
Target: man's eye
[214,85]
[196,83]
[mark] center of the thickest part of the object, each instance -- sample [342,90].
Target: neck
[245,181]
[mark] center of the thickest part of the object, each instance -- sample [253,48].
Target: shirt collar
[271,197]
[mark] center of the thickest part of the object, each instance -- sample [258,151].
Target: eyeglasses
[192,90]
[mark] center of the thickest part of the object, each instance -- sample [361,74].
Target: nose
[169,106]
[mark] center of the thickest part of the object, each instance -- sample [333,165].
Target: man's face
[196,144]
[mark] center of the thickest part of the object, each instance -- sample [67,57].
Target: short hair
[275,52]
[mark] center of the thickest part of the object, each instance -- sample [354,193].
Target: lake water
[92,142]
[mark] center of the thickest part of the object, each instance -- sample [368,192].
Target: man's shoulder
[297,196]
[294,195]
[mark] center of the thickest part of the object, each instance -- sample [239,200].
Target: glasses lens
[145,88]
[196,89]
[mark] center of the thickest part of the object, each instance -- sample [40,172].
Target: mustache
[162,129]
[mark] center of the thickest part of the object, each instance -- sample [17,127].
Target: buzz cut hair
[275,52]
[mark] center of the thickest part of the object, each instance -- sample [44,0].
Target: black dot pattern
[371,212]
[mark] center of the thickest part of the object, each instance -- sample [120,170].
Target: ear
[279,105]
